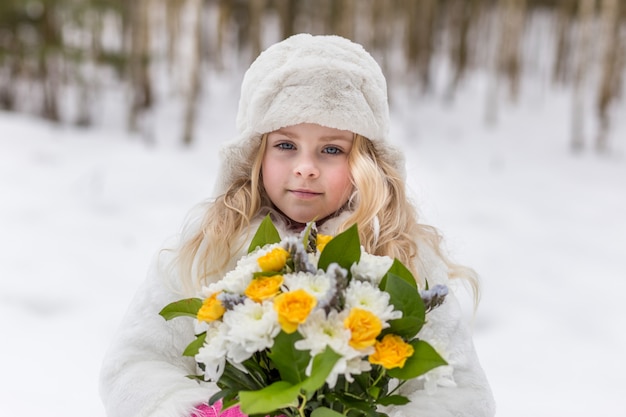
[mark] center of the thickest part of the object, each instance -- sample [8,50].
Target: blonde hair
[381,201]
[388,221]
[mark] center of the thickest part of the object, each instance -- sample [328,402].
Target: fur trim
[327,80]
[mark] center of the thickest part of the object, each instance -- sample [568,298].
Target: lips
[304,193]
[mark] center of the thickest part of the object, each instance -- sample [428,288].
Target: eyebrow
[329,138]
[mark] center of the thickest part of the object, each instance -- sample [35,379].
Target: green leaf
[344,249]
[394,400]
[187,307]
[265,234]
[405,298]
[424,358]
[354,403]
[306,235]
[398,269]
[290,362]
[193,347]
[238,380]
[223,393]
[282,394]
[374,391]
[262,274]
[322,365]
[325,412]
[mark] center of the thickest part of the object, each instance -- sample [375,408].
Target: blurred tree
[509,53]
[420,23]
[287,10]
[195,74]
[11,51]
[586,11]
[139,62]
[51,48]
[612,60]
[173,16]
[255,27]
[565,13]
[462,15]
[47,55]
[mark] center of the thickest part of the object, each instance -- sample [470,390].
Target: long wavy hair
[387,219]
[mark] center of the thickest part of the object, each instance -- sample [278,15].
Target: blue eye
[332,150]
[285,146]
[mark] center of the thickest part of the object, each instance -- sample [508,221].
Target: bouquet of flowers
[311,326]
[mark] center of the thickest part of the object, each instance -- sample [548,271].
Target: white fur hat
[327,80]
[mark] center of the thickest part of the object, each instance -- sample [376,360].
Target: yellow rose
[211,310]
[391,352]
[274,260]
[293,308]
[321,241]
[262,288]
[364,326]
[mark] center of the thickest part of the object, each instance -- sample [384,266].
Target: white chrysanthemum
[362,294]
[321,331]
[252,327]
[321,286]
[314,257]
[213,353]
[370,267]
[237,280]
[345,367]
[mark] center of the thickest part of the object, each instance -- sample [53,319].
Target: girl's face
[305,170]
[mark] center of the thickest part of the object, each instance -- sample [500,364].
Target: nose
[306,167]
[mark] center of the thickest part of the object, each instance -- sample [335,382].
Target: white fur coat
[144,373]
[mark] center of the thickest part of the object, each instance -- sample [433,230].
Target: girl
[313,122]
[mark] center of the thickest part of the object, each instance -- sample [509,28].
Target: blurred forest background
[60,57]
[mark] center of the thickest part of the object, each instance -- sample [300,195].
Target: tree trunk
[193,91]
[585,21]
[420,36]
[50,63]
[140,63]
[172,24]
[287,13]
[255,31]
[609,81]
[566,9]
[509,51]
[461,15]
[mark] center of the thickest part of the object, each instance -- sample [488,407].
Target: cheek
[342,182]
[268,173]
[273,175]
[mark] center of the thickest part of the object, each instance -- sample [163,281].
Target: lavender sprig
[340,275]
[298,254]
[229,301]
[434,297]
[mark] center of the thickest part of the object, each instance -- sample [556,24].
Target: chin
[300,218]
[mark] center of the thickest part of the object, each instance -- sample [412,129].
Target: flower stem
[380,376]
[397,387]
[302,404]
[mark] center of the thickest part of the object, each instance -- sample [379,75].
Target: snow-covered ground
[83,211]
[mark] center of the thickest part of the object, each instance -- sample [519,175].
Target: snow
[83,211]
